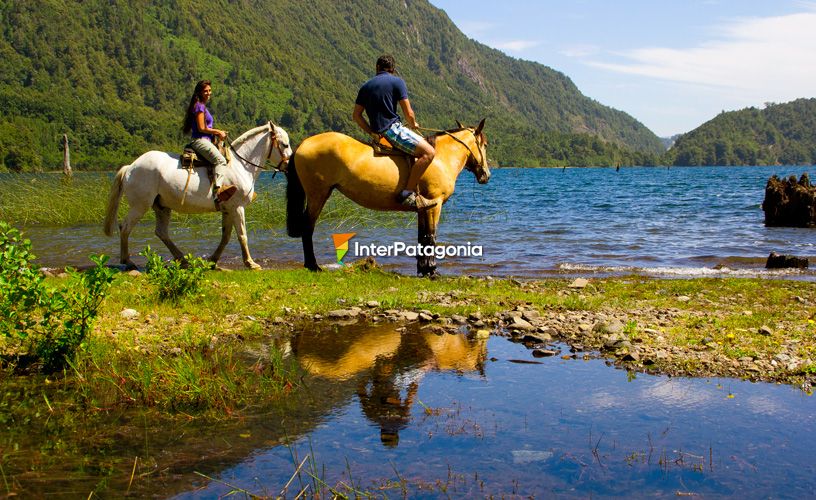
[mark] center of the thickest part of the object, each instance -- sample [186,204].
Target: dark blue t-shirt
[379,96]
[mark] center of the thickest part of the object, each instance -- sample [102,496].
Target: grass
[52,200]
[192,362]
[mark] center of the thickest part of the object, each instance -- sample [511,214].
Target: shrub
[47,325]
[176,279]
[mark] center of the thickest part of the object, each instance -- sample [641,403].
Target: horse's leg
[314,206]
[226,233]
[128,222]
[240,231]
[427,222]
[162,230]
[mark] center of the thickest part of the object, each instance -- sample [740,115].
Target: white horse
[157,180]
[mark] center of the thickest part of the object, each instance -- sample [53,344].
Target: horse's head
[479,165]
[280,150]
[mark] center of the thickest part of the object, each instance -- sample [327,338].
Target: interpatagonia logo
[341,245]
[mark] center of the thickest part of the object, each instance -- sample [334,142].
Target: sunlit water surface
[459,417]
[696,221]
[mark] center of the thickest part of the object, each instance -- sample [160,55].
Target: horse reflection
[387,366]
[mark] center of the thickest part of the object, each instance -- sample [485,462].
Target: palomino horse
[329,161]
[157,180]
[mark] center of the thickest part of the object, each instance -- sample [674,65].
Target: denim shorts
[402,138]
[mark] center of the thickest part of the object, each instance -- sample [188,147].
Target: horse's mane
[249,133]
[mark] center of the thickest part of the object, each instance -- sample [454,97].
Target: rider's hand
[221,133]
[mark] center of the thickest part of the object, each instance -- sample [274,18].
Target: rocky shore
[636,340]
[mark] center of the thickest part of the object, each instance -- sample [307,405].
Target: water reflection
[386,366]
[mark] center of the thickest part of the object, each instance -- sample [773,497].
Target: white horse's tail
[112,213]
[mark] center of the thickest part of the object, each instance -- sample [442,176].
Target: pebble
[129,314]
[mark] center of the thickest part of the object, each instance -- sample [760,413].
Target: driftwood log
[789,202]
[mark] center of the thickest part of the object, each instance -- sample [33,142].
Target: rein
[275,144]
[460,141]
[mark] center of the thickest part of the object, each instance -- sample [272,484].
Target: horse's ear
[459,124]
[480,127]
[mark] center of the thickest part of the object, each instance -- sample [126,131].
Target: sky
[671,64]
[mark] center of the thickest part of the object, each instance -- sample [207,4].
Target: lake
[669,222]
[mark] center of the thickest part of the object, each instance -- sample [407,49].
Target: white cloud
[516,45]
[756,59]
[580,51]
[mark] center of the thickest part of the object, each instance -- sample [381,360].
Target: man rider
[379,97]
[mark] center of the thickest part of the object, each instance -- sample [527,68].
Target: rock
[544,353]
[613,327]
[129,314]
[579,283]
[134,273]
[777,261]
[764,330]
[344,313]
[520,324]
[409,315]
[372,304]
[460,320]
[425,317]
[475,316]
[482,334]
[683,298]
[535,338]
[790,203]
[631,356]
[531,316]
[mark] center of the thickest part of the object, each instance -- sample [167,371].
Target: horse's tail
[295,201]
[115,195]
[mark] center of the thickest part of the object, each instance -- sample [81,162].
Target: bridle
[460,141]
[276,144]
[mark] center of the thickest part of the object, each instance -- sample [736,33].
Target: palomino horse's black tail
[295,201]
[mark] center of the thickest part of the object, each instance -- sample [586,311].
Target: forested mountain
[780,134]
[115,76]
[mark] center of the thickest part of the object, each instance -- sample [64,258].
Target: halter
[275,144]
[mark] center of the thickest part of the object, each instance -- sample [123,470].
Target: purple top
[208,121]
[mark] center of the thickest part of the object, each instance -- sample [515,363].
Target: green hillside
[116,76]
[780,134]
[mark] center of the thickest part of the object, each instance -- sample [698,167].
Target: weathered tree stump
[789,202]
[777,261]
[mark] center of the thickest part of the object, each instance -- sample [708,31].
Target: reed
[50,199]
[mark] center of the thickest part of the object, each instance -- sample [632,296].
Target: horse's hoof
[315,268]
[253,266]
[130,265]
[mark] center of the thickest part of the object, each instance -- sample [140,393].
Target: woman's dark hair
[386,62]
[189,119]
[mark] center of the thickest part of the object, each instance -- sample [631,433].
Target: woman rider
[199,123]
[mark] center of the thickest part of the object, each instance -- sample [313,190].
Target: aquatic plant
[176,279]
[54,200]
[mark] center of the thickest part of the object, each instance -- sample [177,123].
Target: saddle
[190,160]
[384,148]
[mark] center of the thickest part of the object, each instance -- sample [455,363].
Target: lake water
[693,221]
[462,418]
